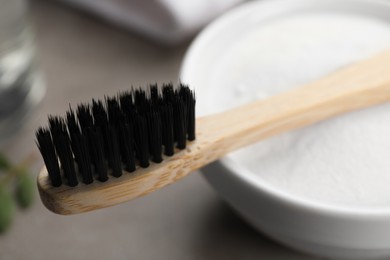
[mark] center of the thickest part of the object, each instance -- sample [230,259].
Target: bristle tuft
[104,138]
[46,146]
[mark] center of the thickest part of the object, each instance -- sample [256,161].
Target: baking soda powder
[342,161]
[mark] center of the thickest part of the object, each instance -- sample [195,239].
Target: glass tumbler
[21,86]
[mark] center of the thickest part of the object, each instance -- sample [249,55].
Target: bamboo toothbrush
[154,129]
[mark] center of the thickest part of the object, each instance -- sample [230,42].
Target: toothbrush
[159,133]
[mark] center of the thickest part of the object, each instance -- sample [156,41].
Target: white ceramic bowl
[316,228]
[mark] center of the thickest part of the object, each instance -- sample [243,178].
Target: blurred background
[53,53]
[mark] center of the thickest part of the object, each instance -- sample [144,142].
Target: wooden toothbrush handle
[360,85]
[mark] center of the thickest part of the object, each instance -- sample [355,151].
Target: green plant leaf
[24,192]
[5,164]
[7,209]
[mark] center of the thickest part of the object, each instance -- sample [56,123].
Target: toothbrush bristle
[105,139]
[46,147]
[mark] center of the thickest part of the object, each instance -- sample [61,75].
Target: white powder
[343,161]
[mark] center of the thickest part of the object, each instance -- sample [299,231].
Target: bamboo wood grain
[357,86]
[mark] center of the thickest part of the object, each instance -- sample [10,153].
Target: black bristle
[188,98]
[141,141]
[154,96]
[55,131]
[114,154]
[79,145]
[168,93]
[115,160]
[179,123]
[62,145]
[85,117]
[99,113]
[167,129]
[126,102]
[155,136]
[85,165]
[101,120]
[142,103]
[126,131]
[46,147]
[100,116]
[127,146]
[114,110]
[191,118]
[97,153]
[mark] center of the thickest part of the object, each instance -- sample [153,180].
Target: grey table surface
[83,57]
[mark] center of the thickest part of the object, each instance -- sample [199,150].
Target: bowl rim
[242,173]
